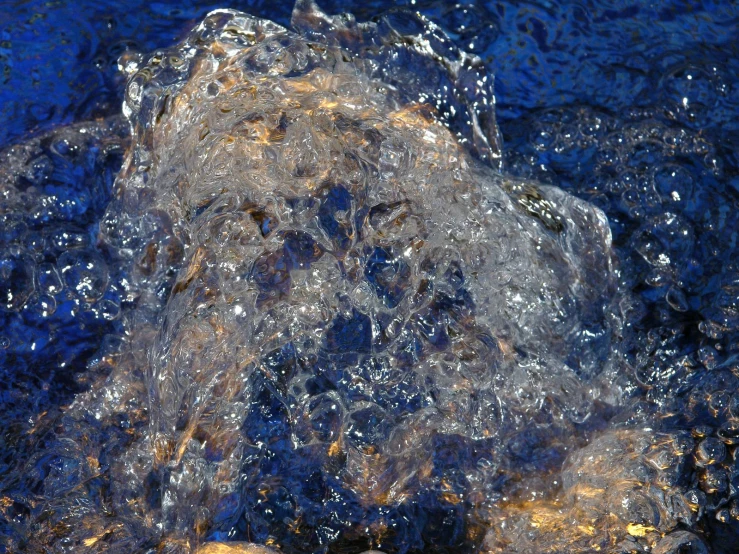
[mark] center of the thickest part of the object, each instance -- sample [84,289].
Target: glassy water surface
[433,277]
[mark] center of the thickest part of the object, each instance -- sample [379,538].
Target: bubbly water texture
[356,291]
[343,328]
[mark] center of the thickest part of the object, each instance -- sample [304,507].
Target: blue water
[632,106]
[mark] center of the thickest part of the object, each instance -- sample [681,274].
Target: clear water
[309,314]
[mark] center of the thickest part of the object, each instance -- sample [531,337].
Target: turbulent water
[325,309]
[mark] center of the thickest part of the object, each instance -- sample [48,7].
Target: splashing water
[334,324]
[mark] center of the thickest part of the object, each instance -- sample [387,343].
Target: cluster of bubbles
[332,328]
[560,53]
[59,298]
[54,190]
[670,195]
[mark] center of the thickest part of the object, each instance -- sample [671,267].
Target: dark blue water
[632,106]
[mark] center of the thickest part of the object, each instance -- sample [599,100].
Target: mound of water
[343,327]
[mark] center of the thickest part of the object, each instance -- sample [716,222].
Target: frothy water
[336,320]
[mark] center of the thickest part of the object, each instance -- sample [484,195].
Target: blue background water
[589,94]
[58,59]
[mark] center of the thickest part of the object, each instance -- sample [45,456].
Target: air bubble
[107,310]
[713,480]
[85,273]
[710,329]
[690,85]
[12,228]
[676,299]
[729,432]
[326,414]
[718,402]
[16,279]
[44,306]
[674,184]
[696,499]
[66,240]
[49,280]
[734,405]
[710,451]
[368,428]
[701,431]
[708,357]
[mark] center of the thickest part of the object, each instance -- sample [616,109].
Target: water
[318,325]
